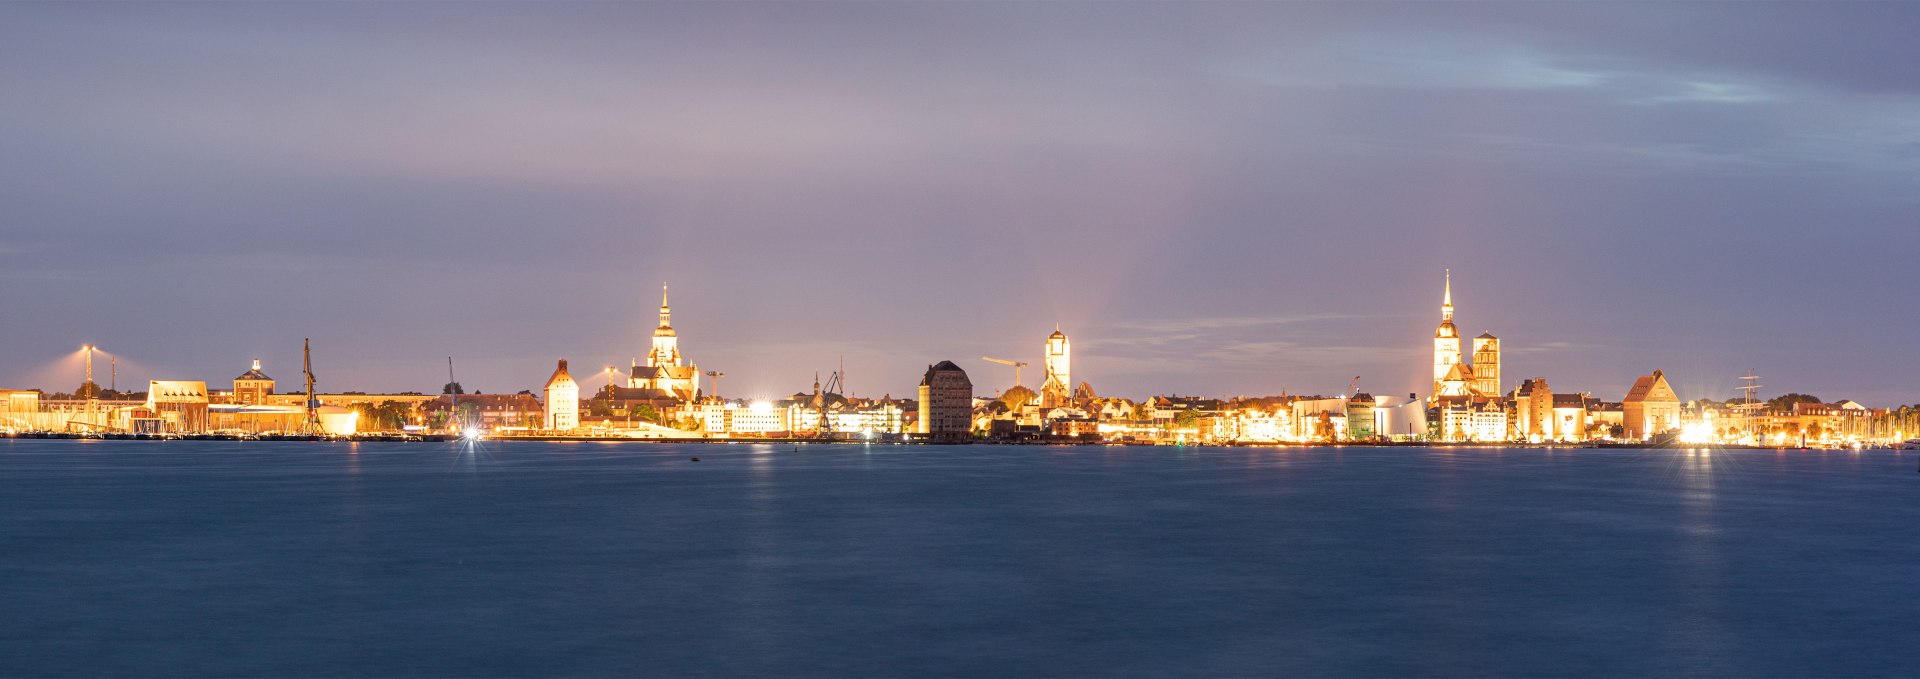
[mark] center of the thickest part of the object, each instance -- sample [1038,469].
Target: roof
[1651,388]
[176,391]
[254,374]
[943,366]
[1569,400]
[559,374]
[1487,335]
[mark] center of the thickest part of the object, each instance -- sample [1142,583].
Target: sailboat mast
[453,388]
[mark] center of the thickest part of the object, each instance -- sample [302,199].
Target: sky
[1217,198]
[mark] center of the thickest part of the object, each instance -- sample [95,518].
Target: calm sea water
[228,558]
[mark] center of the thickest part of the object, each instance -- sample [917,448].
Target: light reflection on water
[491,558]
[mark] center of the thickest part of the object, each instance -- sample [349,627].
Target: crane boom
[1017,365]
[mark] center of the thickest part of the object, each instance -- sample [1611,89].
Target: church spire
[1446,303]
[664,313]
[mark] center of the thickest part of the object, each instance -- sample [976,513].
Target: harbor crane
[825,428]
[313,402]
[716,375]
[1353,387]
[1017,365]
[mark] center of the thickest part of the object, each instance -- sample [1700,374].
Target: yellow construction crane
[1017,365]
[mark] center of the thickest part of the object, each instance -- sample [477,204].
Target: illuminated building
[1446,340]
[946,404]
[666,372]
[1361,423]
[1057,358]
[1486,365]
[18,409]
[562,400]
[1454,377]
[1650,407]
[1533,410]
[253,387]
[177,405]
[1489,423]
[1458,383]
[1570,417]
[1322,419]
[759,417]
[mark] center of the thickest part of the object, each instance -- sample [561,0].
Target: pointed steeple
[1446,303]
[665,313]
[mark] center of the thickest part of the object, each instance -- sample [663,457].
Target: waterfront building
[1361,424]
[666,373]
[1650,407]
[562,400]
[486,412]
[759,417]
[1322,419]
[1570,421]
[19,409]
[177,405]
[1533,410]
[1453,423]
[1257,426]
[252,387]
[1489,423]
[1057,358]
[946,404]
[1400,418]
[1073,426]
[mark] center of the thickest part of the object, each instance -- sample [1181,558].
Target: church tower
[1446,339]
[666,373]
[1057,357]
[666,346]
[1486,365]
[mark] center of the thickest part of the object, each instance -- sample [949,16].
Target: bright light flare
[1696,433]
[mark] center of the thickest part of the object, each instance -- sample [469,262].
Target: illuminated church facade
[1454,378]
[1057,358]
[666,372]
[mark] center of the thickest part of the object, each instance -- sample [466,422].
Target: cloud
[1711,92]
[1416,61]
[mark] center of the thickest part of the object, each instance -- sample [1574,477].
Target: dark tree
[1786,401]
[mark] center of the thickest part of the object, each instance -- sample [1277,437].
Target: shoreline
[449,438]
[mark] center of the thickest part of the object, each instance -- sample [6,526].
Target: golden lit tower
[1057,390]
[666,372]
[666,345]
[1486,365]
[1446,340]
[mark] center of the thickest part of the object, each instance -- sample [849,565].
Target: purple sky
[1220,198]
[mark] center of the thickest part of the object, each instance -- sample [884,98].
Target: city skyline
[1267,208]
